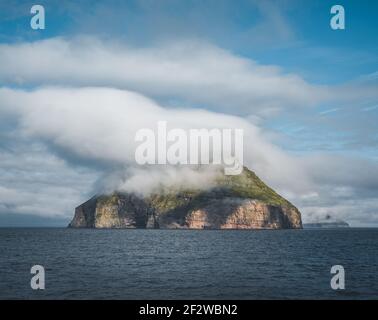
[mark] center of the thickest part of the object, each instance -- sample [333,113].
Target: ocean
[188,264]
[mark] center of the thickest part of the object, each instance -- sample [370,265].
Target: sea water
[188,264]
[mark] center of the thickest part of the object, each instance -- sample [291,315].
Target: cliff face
[236,202]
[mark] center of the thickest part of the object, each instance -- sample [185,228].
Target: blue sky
[288,37]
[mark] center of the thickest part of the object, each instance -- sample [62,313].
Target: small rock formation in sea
[326,224]
[235,202]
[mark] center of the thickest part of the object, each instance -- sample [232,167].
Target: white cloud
[191,71]
[99,124]
[33,181]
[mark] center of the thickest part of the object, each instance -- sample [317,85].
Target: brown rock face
[243,214]
[244,202]
[116,211]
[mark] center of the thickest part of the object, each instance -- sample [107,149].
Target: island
[235,202]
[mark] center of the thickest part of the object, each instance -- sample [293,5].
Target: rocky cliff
[235,202]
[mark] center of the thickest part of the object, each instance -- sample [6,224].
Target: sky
[73,94]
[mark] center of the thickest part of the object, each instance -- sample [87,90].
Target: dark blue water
[177,264]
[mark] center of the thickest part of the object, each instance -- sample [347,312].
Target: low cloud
[144,181]
[99,125]
[35,182]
